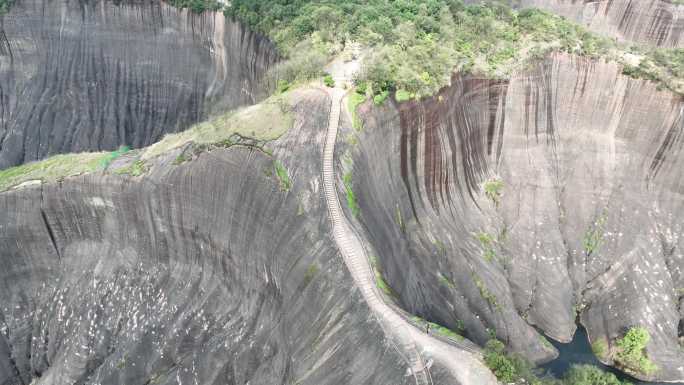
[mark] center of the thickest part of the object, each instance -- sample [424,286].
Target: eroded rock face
[93,75]
[200,273]
[589,220]
[657,22]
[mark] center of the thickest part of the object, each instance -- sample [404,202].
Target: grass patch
[380,279]
[353,101]
[600,349]
[110,157]
[351,198]
[485,293]
[180,159]
[310,273]
[399,218]
[282,175]
[488,246]
[593,237]
[442,279]
[53,169]
[493,189]
[137,168]
[265,121]
[436,328]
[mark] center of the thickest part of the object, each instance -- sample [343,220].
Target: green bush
[402,96]
[283,176]
[353,102]
[329,81]
[510,368]
[5,6]
[380,98]
[590,375]
[631,351]
[351,198]
[283,86]
[197,6]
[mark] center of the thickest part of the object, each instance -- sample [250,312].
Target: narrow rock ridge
[587,219]
[93,75]
[208,272]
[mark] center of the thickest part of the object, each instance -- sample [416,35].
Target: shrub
[283,176]
[351,198]
[496,359]
[380,98]
[361,88]
[353,102]
[631,353]
[5,6]
[197,6]
[402,96]
[329,81]
[589,375]
[494,190]
[283,86]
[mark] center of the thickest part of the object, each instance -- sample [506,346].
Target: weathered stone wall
[93,75]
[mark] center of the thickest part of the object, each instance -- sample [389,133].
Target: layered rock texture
[510,208]
[657,22]
[94,75]
[207,272]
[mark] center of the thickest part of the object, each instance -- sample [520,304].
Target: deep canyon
[208,270]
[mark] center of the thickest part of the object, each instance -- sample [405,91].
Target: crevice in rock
[4,334]
[50,232]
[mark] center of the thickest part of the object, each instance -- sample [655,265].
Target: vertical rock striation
[92,75]
[657,22]
[587,220]
[200,273]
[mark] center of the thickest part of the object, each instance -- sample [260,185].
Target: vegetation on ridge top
[418,45]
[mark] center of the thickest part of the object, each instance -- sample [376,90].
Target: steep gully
[416,347]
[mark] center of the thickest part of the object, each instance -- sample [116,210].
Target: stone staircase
[355,257]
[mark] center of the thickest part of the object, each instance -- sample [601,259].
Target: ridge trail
[417,348]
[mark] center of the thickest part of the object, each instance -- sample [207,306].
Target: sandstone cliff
[206,272]
[586,218]
[657,22]
[93,75]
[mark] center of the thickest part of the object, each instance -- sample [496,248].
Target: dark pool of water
[578,352]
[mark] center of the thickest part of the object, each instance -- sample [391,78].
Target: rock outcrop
[657,22]
[93,75]
[206,272]
[507,207]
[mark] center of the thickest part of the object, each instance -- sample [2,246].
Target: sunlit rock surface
[657,22]
[94,75]
[199,273]
[589,219]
